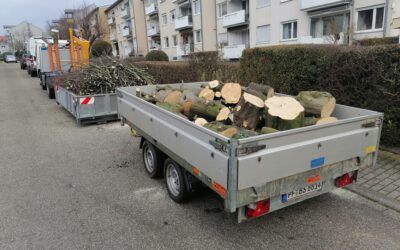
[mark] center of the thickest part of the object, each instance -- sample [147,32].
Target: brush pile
[103,77]
[239,112]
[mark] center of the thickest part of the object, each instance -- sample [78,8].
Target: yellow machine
[79,49]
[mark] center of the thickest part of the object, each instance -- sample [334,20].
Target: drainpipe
[386,13]
[145,25]
[351,23]
[134,22]
[202,25]
[216,27]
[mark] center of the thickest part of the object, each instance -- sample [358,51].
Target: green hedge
[378,41]
[157,55]
[365,77]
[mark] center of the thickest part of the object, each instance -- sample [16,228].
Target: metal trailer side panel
[191,143]
[65,99]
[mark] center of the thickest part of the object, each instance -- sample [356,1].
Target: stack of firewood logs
[239,112]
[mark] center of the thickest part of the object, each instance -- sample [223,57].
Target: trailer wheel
[153,160]
[50,92]
[33,73]
[175,181]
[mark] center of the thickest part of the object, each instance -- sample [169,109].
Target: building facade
[126,24]
[18,35]
[4,47]
[180,27]
[99,23]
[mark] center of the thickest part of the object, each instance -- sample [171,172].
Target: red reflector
[261,208]
[344,180]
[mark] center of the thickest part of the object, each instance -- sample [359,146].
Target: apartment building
[180,27]
[99,23]
[126,22]
[252,23]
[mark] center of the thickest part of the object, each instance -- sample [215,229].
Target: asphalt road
[64,186]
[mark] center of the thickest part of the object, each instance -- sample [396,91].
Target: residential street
[66,186]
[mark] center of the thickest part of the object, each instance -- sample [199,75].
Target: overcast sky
[38,11]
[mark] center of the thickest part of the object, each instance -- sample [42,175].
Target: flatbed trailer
[256,175]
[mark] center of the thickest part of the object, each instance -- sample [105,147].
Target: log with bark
[207,94]
[326,120]
[248,112]
[283,113]
[173,97]
[172,107]
[209,110]
[230,131]
[268,130]
[266,90]
[317,103]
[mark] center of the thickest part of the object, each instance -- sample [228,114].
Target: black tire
[153,160]
[175,181]
[33,73]
[50,92]
[28,71]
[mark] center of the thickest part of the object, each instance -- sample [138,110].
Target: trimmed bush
[157,55]
[101,48]
[378,41]
[365,77]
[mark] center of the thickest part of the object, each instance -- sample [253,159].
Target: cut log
[213,84]
[231,92]
[223,114]
[283,113]
[208,110]
[326,120]
[266,90]
[200,121]
[317,103]
[309,121]
[172,107]
[230,132]
[248,112]
[161,94]
[220,127]
[189,95]
[186,108]
[268,130]
[218,94]
[207,94]
[173,97]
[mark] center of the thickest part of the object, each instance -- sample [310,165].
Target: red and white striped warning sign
[86,100]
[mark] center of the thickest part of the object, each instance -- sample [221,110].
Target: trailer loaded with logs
[260,151]
[240,112]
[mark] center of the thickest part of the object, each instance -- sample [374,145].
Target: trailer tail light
[346,179]
[257,209]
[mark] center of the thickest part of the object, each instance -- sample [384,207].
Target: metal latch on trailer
[249,149]
[220,145]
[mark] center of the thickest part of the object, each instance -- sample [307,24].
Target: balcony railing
[235,19]
[153,31]
[185,49]
[124,13]
[111,20]
[126,32]
[155,47]
[151,9]
[183,22]
[233,51]
[309,5]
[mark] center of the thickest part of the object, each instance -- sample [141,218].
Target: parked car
[24,60]
[32,66]
[3,56]
[10,58]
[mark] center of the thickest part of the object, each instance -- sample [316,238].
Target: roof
[3,38]
[113,5]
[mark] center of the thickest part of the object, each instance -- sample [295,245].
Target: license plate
[301,191]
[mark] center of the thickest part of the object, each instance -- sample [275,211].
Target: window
[175,40]
[263,34]
[166,42]
[222,9]
[223,39]
[172,14]
[198,36]
[164,19]
[263,3]
[196,7]
[370,19]
[289,30]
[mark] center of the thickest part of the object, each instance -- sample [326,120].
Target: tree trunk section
[317,103]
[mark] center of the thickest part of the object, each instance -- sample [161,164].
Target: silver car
[11,58]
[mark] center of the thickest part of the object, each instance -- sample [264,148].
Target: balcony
[155,47]
[184,22]
[151,9]
[184,50]
[126,32]
[233,51]
[237,18]
[310,5]
[153,31]
[111,20]
[124,13]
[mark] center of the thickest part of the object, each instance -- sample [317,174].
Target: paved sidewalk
[382,182]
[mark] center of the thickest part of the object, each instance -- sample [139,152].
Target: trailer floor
[68,186]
